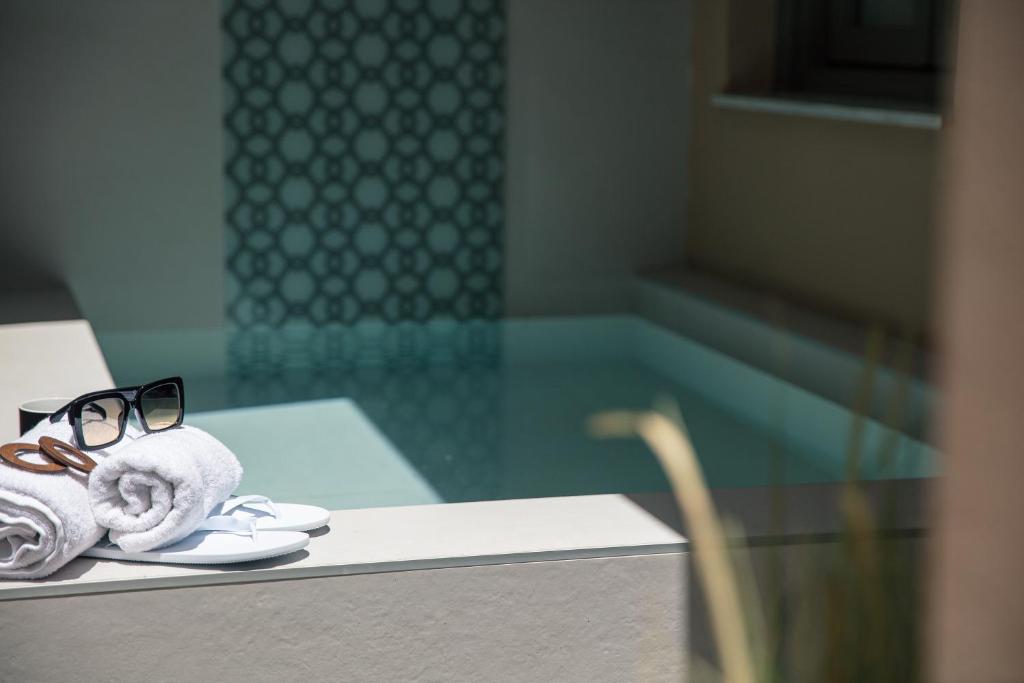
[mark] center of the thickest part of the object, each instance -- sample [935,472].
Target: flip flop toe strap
[234,525]
[223,520]
[251,502]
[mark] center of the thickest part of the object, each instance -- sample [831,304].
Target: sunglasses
[99,418]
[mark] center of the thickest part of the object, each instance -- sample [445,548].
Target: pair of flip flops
[241,529]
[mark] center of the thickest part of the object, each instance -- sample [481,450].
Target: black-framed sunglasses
[99,418]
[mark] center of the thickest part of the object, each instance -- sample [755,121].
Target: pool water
[501,411]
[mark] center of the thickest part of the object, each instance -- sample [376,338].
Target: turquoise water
[464,413]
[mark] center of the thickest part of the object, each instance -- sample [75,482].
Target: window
[881,49]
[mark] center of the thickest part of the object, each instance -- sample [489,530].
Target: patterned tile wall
[364,160]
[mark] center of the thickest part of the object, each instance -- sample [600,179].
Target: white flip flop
[210,547]
[263,514]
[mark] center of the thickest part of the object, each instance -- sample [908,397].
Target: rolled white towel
[161,488]
[45,519]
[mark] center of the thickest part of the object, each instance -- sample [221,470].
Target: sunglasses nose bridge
[132,407]
[136,412]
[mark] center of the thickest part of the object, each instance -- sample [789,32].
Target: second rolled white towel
[159,489]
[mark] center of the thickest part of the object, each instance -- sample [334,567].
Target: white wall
[110,157]
[598,112]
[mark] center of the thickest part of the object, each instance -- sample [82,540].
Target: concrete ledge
[785,339]
[837,111]
[402,539]
[44,360]
[766,515]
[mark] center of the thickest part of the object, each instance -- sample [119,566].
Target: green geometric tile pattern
[364,160]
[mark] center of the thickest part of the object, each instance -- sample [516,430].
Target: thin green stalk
[671,445]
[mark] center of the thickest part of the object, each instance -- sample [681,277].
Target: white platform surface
[45,360]
[400,539]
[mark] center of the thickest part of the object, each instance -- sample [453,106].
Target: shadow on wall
[111,138]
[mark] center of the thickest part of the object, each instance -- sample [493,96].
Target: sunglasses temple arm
[56,417]
[59,415]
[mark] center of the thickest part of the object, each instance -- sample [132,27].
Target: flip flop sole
[211,547]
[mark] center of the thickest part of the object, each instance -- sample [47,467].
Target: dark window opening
[887,50]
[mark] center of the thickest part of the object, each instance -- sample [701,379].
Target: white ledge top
[55,359]
[400,539]
[837,111]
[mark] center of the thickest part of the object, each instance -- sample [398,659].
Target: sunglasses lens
[102,420]
[161,406]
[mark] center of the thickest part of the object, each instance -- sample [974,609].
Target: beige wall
[598,103]
[977,628]
[837,214]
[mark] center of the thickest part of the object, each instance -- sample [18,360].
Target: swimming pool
[481,411]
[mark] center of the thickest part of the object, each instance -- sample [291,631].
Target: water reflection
[433,390]
[497,409]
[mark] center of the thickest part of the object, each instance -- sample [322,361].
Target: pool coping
[53,358]
[396,539]
[360,541]
[803,513]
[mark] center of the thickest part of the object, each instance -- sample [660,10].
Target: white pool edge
[378,540]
